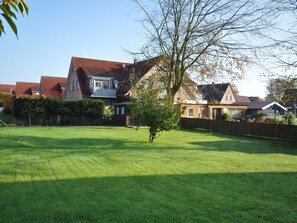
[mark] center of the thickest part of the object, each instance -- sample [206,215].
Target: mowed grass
[111,174]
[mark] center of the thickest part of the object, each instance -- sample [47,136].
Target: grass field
[111,174]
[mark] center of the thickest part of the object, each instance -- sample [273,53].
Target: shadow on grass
[254,146]
[243,144]
[90,146]
[242,197]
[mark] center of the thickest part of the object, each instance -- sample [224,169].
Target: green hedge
[6,102]
[42,110]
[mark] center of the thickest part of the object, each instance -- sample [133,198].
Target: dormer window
[105,84]
[97,84]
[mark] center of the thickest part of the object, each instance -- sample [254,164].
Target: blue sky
[56,30]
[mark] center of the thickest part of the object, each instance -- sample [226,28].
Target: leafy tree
[208,37]
[152,107]
[8,10]
[277,87]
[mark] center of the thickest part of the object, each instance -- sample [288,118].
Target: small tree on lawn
[153,107]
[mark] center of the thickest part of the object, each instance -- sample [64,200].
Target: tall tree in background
[276,89]
[8,10]
[280,47]
[203,36]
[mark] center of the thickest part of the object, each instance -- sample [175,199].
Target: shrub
[42,110]
[277,119]
[290,118]
[6,100]
[226,116]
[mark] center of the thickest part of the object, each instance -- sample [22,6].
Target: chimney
[135,60]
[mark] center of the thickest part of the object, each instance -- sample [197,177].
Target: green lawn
[111,174]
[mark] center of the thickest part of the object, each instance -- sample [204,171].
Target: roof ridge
[111,61]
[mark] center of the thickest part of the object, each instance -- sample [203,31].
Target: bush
[275,120]
[6,100]
[226,116]
[43,110]
[290,118]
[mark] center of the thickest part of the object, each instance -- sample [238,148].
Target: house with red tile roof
[110,80]
[7,88]
[52,87]
[27,89]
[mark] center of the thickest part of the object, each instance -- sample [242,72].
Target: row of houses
[110,82]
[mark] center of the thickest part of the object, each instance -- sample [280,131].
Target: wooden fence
[241,128]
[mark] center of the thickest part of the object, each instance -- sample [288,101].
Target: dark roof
[255,99]
[7,88]
[26,89]
[240,98]
[52,87]
[213,92]
[258,105]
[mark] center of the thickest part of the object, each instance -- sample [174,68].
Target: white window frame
[99,82]
[190,109]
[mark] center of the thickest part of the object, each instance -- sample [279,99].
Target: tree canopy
[206,37]
[151,107]
[8,10]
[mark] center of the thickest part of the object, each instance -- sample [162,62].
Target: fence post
[211,128]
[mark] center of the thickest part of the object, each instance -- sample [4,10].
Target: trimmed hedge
[6,100]
[43,111]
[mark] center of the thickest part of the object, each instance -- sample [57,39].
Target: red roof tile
[85,67]
[6,88]
[27,89]
[52,87]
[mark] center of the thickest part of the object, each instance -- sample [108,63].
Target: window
[231,98]
[202,112]
[226,97]
[73,85]
[122,110]
[69,86]
[112,84]
[118,110]
[97,84]
[106,84]
[190,112]
[77,85]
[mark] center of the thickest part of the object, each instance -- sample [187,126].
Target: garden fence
[241,128]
